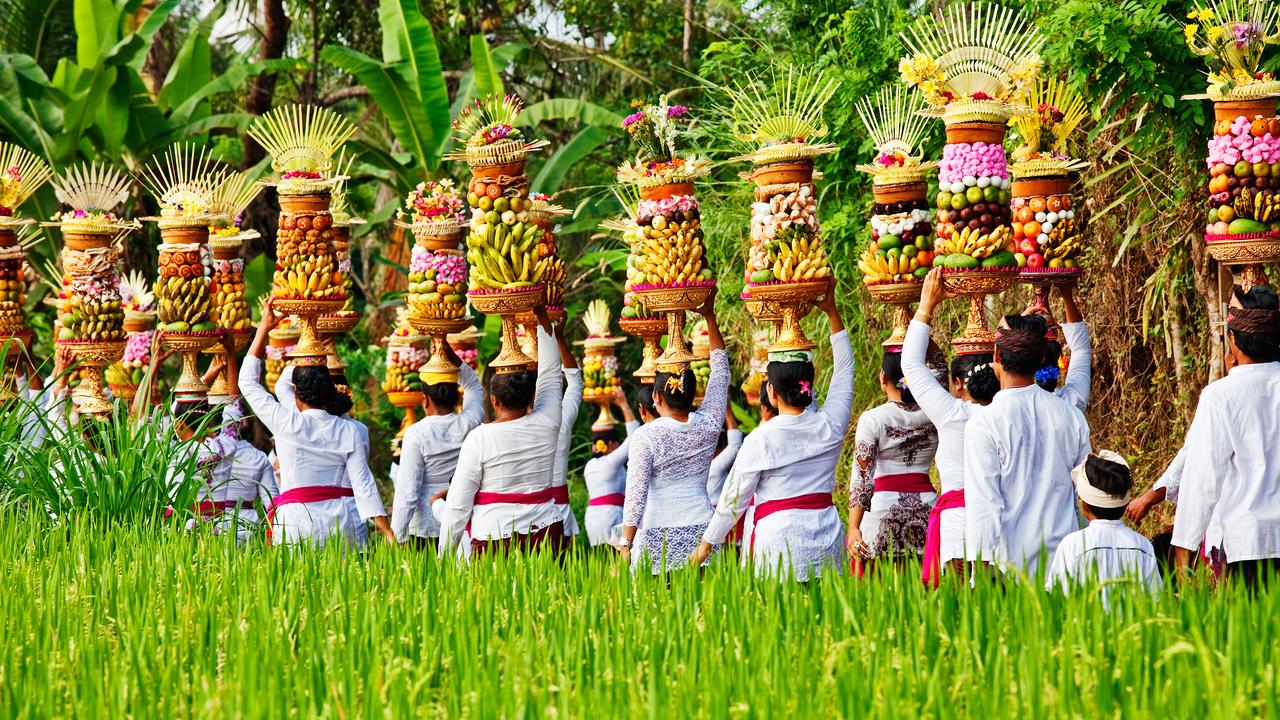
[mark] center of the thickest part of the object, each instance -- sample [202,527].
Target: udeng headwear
[1253,320]
[1102,461]
[791,356]
[1019,341]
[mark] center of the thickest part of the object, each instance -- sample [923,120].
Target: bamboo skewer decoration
[21,174]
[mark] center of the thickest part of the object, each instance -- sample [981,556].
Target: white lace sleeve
[639,475]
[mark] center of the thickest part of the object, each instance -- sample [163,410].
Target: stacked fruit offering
[672,252]
[1046,231]
[13,291]
[785,246]
[1244,182]
[91,308]
[343,221]
[437,269]
[405,354]
[757,367]
[182,288]
[973,207]
[21,174]
[600,366]
[633,236]
[139,323]
[230,310]
[464,346]
[280,342]
[306,257]
[700,342]
[543,213]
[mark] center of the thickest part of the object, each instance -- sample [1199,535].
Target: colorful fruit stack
[21,174]
[308,282]
[900,252]
[544,213]
[90,312]
[672,275]
[636,319]
[1048,235]
[183,181]
[228,306]
[280,342]
[332,324]
[504,242]
[757,366]
[600,365]
[1243,224]
[464,345]
[434,212]
[974,66]
[406,352]
[139,325]
[700,343]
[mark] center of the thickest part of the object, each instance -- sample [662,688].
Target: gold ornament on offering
[308,281]
[22,173]
[228,307]
[280,342]
[90,313]
[402,384]
[599,365]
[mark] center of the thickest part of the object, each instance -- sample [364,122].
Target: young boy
[1106,550]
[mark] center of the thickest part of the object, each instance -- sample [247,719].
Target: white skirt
[600,520]
[797,544]
[951,525]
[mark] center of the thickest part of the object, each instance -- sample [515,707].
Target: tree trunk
[687,48]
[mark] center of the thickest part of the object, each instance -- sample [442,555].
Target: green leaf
[571,109]
[257,278]
[97,28]
[393,96]
[420,67]
[113,117]
[192,69]
[579,146]
[228,81]
[487,79]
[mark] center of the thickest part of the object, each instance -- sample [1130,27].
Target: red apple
[1035,261]
[1028,246]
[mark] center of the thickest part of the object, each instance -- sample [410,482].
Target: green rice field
[145,621]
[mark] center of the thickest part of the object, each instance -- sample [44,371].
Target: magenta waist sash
[812,501]
[932,568]
[303,495]
[558,495]
[904,483]
[614,499]
[213,508]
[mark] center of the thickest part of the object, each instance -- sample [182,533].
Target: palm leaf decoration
[22,172]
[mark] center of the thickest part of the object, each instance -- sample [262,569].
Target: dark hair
[1260,347]
[194,413]
[679,398]
[1111,478]
[443,395]
[513,390]
[314,387]
[792,381]
[644,398]
[891,366]
[608,436]
[1047,376]
[982,383]
[95,432]
[764,398]
[1022,346]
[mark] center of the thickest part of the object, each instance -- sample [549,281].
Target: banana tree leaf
[419,65]
[551,176]
[228,81]
[155,20]
[257,278]
[29,105]
[488,81]
[92,87]
[97,29]
[236,122]
[192,69]
[399,104]
[571,109]
[113,117]
[377,218]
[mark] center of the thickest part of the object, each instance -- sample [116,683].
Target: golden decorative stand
[650,332]
[310,350]
[976,285]
[795,301]
[675,302]
[899,296]
[93,356]
[508,304]
[190,345]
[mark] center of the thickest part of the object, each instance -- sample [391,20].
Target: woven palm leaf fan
[339,208]
[93,191]
[302,140]
[974,62]
[782,108]
[893,121]
[1232,35]
[233,195]
[183,180]
[489,133]
[22,172]
[1056,112]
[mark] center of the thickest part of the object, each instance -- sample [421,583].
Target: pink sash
[614,499]
[558,495]
[813,501]
[932,569]
[904,483]
[303,495]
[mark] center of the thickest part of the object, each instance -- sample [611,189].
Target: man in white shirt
[1021,451]
[1106,551]
[1231,472]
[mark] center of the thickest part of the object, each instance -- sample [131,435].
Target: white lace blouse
[670,460]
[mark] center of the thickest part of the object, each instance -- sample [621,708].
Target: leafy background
[121,79]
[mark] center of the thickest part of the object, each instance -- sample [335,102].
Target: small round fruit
[991,194]
[1226,213]
[1054,203]
[944,199]
[973,194]
[1035,261]
[1218,169]
[1031,229]
[1024,214]
[958,201]
[1242,169]
[1037,204]
[1261,169]
[1259,127]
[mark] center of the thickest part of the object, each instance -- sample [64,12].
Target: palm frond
[92,186]
[301,138]
[22,172]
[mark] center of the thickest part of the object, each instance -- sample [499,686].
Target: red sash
[813,501]
[558,495]
[932,569]
[211,508]
[303,495]
[613,499]
[904,483]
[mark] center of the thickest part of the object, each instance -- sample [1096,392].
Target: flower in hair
[977,369]
[1047,374]
[675,383]
[901,384]
[806,387]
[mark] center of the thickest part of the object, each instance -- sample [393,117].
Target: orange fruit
[1054,203]
[1017,230]
[1025,215]
[1066,202]
[1031,229]
[1259,127]
[1036,204]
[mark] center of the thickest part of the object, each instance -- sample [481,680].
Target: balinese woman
[503,486]
[787,465]
[569,406]
[973,385]
[1076,387]
[890,493]
[666,510]
[606,475]
[324,465]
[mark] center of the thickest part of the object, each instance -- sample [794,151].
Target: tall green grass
[141,620]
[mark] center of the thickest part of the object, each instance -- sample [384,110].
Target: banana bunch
[12,297]
[183,303]
[800,259]
[230,310]
[879,266]
[672,254]
[974,244]
[1244,204]
[505,255]
[1064,242]
[91,321]
[1266,206]
[313,277]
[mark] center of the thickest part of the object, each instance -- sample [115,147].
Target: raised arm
[1079,380]
[838,404]
[546,398]
[735,497]
[409,480]
[455,512]
[472,396]
[930,395]
[266,408]
[285,392]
